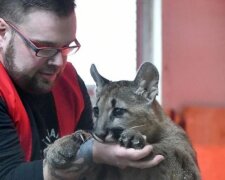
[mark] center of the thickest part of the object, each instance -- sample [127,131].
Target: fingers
[134,154]
[147,163]
[116,155]
[132,158]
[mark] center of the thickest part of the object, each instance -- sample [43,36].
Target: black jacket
[42,114]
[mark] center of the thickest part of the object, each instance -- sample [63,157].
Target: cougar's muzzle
[108,136]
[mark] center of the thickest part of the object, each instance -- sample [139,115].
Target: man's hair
[16,10]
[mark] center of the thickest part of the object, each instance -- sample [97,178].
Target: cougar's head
[121,105]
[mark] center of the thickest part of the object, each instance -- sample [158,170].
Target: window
[116,41]
[106,30]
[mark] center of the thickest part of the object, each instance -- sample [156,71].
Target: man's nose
[57,60]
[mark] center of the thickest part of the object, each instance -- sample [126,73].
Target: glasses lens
[69,51]
[66,51]
[47,52]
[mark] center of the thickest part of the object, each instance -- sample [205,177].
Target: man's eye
[118,112]
[96,111]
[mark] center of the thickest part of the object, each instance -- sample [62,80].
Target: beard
[31,84]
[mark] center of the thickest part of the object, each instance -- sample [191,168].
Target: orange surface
[211,160]
[206,128]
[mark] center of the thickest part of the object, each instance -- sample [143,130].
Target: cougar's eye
[118,112]
[96,111]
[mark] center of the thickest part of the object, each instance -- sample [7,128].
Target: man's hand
[121,157]
[70,156]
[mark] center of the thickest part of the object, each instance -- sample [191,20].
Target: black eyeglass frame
[37,50]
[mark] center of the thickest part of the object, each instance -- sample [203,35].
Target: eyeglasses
[47,52]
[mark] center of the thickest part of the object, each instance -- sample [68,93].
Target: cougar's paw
[132,139]
[63,151]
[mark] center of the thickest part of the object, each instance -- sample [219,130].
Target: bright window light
[106,30]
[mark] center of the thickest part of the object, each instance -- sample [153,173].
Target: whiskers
[139,126]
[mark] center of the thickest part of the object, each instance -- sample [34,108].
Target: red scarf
[68,101]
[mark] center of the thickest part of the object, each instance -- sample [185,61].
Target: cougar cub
[126,110]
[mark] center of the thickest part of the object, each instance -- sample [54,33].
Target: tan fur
[126,110]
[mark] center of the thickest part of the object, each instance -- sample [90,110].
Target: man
[41,96]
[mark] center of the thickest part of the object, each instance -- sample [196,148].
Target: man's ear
[3,29]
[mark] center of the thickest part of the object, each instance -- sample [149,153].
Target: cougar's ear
[99,80]
[147,80]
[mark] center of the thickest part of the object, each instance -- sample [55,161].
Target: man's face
[31,73]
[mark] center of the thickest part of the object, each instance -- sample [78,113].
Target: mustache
[49,70]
